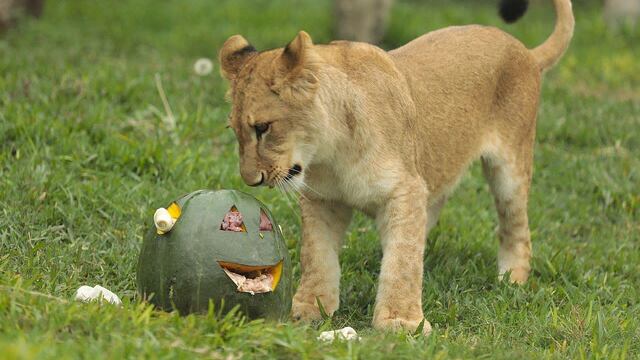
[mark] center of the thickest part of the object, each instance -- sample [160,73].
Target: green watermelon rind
[177,274]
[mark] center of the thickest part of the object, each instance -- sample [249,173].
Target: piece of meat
[232,221]
[260,284]
[265,223]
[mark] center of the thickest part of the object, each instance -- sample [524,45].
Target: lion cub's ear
[297,52]
[298,64]
[235,51]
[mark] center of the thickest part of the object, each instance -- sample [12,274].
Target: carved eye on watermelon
[233,221]
[265,223]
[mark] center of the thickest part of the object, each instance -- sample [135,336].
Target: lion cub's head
[275,113]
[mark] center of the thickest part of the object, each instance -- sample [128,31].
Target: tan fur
[390,134]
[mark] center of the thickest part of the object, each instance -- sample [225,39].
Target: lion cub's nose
[260,182]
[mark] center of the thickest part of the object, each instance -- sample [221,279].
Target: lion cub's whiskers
[287,195]
[289,184]
[311,189]
[294,188]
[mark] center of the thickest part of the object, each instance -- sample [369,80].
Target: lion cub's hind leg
[508,171]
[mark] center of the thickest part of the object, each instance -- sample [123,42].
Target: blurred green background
[87,155]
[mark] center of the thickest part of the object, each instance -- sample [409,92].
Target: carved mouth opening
[253,279]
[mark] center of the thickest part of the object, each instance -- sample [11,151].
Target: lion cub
[350,126]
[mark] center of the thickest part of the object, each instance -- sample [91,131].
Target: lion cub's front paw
[305,307]
[301,311]
[399,324]
[517,275]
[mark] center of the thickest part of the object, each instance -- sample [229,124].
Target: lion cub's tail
[551,50]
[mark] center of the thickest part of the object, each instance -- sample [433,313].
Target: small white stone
[163,220]
[88,294]
[203,67]
[347,333]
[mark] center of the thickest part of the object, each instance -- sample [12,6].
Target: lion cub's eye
[261,129]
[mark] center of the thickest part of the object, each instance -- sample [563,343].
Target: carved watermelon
[224,246]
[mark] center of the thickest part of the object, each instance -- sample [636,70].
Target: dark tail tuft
[512,10]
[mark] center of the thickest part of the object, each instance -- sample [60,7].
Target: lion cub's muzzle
[271,179]
[256,181]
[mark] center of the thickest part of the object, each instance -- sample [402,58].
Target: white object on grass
[203,67]
[163,220]
[346,333]
[87,294]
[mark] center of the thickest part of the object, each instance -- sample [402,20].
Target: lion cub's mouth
[293,171]
[253,279]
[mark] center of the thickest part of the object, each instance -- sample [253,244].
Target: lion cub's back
[466,66]
[460,55]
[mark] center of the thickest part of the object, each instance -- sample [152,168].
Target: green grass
[85,158]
